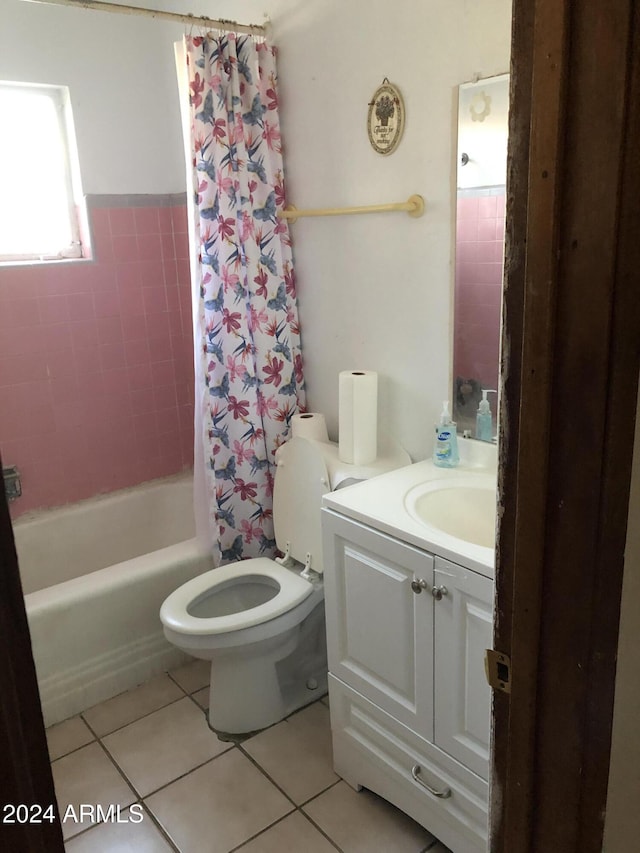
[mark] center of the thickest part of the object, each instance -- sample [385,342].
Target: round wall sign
[385,121]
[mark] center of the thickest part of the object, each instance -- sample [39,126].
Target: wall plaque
[385,121]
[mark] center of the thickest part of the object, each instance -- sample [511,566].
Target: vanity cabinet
[463,629]
[410,707]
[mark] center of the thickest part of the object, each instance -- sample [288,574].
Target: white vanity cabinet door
[379,631]
[463,630]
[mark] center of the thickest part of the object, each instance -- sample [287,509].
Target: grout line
[131,722]
[82,832]
[139,798]
[91,729]
[204,710]
[182,775]
[317,700]
[71,751]
[186,692]
[284,817]
[119,769]
[147,814]
[320,829]
[159,827]
[138,795]
[265,829]
[298,808]
[264,773]
[311,820]
[323,791]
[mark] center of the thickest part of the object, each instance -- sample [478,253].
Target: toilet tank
[300,482]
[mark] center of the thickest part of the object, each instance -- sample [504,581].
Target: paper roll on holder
[309,425]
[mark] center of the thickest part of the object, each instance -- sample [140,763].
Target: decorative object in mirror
[481,164]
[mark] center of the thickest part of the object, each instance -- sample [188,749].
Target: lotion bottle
[484,422]
[445,448]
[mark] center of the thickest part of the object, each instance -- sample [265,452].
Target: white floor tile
[65,737]
[164,745]
[127,707]
[142,837]
[193,676]
[297,753]
[87,776]
[361,822]
[294,833]
[218,806]
[202,698]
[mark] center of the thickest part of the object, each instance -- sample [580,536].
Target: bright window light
[38,218]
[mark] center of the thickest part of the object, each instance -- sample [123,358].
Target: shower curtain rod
[414,207]
[195,20]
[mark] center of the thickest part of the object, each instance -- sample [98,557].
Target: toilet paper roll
[310,425]
[358,416]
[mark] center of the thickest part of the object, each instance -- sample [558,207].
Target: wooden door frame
[570,365]
[570,371]
[26,772]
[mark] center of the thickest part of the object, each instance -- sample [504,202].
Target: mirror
[483,108]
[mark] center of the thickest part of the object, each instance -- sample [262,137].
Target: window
[38,174]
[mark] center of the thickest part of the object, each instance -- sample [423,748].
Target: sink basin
[461,507]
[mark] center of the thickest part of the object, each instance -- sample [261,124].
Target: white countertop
[380,503]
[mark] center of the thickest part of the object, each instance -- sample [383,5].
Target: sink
[461,507]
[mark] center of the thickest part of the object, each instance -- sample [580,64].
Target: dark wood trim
[26,772]
[510,372]
[571,361]
[529,293]
[623,388]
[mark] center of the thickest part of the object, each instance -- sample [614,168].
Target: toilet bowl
[261,622]
[246,618]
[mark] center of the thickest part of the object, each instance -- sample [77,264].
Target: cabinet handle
[438,592]
[418,585]
[444,794]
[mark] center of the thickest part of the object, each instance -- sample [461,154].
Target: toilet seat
[292,590]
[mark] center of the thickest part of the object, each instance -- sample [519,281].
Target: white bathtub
[94,576]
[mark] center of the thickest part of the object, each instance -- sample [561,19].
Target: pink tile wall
[478,290]
[96,361]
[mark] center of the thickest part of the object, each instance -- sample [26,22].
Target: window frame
[60,98]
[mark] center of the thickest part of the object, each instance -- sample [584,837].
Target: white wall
[375,291]
[122,84]
[484,140]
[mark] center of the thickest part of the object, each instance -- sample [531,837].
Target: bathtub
[94,576]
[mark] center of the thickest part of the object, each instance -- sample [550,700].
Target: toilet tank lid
[301,481]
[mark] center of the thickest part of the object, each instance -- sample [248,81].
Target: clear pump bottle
[484,421]
[445,448]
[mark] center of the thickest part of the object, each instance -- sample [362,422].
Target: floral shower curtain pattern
[247,321]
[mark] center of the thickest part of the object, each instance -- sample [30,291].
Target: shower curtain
[249,378]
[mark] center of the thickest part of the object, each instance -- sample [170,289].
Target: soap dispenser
[445,449]
[484,424]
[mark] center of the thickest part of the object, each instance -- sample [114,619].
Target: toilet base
[295,697]
[251,692]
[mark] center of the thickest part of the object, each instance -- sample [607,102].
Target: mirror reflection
[483,107]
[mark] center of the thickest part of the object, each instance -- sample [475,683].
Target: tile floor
[151,748]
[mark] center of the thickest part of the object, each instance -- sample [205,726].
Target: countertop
[380,503]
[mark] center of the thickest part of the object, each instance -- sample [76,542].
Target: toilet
[261,622]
